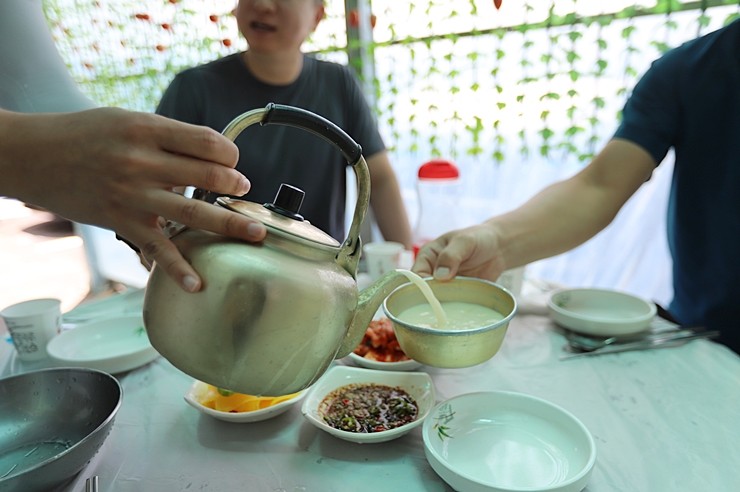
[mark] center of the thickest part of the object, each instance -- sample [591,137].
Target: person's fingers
[162,252]
[448,261]
[202,215]
[207,176]
[471,253]
[422,265]
[145,261]
[169,171]
[143,230]
[199,142]
[462,252]
[428,260]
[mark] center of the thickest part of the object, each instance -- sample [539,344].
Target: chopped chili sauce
[380,343]
[366,408]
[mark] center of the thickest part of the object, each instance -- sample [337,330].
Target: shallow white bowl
[112,345]
[508,442]
[404,365]
[601,312]
[193,396]
[417,384]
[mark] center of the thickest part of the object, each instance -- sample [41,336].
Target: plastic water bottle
[438,191]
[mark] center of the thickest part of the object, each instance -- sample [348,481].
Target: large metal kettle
[272,316]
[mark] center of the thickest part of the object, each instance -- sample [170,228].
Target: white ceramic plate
[417,384]
[127,303]
[508,442]
[601,312]
[404,365]
[192,397]
[112,345]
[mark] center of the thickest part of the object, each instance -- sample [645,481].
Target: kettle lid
[282,215]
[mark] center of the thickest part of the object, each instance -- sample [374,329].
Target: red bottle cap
[438,169]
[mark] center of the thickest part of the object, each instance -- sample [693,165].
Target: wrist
[13,182]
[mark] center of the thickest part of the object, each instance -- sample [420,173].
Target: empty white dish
[112,345]
[508,442]
[417,384]
[601,312]
[197,389]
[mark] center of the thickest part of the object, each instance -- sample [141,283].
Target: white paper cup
[512,280]
[382,257]
[31,325]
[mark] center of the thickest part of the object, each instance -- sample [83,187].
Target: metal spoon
[582,343]
[666,340]
[585,343]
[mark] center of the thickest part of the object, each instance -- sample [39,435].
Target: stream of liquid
[429,295]
[453,315]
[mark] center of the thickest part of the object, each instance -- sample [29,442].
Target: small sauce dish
[418,385]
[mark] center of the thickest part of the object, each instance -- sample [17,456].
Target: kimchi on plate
[380,349]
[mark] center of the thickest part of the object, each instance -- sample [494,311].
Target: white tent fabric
[33,77]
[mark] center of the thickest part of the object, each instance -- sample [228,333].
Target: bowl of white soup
[459,323]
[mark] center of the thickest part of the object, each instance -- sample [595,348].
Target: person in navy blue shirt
[689,100]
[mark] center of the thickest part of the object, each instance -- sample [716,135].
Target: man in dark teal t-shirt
[689,100]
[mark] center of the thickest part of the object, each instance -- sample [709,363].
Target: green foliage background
[537,79]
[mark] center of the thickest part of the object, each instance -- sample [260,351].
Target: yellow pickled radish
[228,401]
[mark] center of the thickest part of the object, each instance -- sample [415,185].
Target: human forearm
[553,221]
[558,218]
[570,212]
[391,217]
[387,204]
[15,178]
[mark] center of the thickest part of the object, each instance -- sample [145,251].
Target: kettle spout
[369,301]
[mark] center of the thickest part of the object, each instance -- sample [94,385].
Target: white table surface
[662,420]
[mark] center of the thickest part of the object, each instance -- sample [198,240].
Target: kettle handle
[280,114]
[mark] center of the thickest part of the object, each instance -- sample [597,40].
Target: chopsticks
[668,341]
[91,485]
